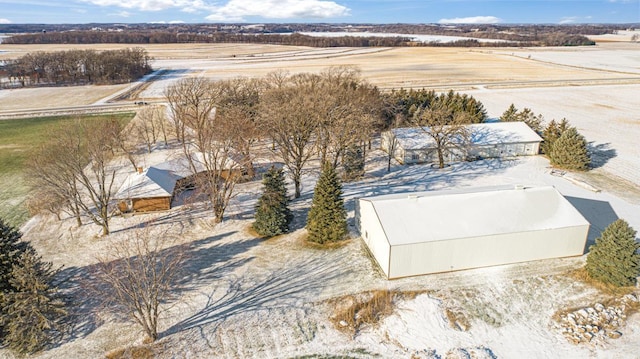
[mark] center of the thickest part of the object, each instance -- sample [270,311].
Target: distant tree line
[295,39]
[168,37]
[75,67]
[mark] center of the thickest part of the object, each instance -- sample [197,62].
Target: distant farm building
[429,232]
[155,188]
[412,145]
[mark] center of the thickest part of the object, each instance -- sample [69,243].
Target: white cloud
[236,10]
[149,5]
[567,20]
[471,20]
[5,21]
[121,14]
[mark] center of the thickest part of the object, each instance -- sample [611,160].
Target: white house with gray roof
[411,145]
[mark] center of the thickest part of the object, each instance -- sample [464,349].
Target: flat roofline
[447,192]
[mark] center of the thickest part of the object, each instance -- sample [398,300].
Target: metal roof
[481,134]
[160,180]
[443,215]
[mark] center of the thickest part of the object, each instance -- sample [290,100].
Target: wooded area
[289,34]
[76,67]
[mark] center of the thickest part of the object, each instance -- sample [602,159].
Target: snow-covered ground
[606,115]
[414,37]
[247,297]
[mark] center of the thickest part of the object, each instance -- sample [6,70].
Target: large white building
[486,140]
[429,232]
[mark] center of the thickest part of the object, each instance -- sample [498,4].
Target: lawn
[17,139]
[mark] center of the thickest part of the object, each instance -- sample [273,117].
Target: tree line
[295,39]
[330,116]
[77,67]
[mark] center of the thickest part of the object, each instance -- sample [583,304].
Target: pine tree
[510,115]
[526,115]
[570,151]
[272,211]
[552,132]
[11,248]
[353,163]
[614,258]
[32,314]
[327,219]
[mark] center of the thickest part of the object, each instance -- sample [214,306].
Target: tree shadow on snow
[289,287]
[417,178]
[599,214]
[206,260]
[600,153]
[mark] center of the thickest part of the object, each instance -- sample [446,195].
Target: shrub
[614,258]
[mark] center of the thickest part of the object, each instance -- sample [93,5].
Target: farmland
[250,297]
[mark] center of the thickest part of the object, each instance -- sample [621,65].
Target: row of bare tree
[304,115]
[74,67]
[218,124]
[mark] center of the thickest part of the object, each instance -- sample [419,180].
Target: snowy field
[414,37]
[251,298]
[607,116]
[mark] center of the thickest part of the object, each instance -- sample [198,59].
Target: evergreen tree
[526,115]
[11,248]
[353,163]
[272,211]
[551,133]
[510,115]
[531,119]
[614,258]
[570,151]
[32,314]
[327,220]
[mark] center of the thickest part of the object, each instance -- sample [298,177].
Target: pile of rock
[594,325]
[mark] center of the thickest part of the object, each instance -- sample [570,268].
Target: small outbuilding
[152,189]
[412,145]
[439,231]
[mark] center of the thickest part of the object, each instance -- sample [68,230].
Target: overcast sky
[349,11]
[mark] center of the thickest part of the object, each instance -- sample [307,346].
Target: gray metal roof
[160,180]
[481,134]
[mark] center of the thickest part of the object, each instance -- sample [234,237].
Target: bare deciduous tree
[289,115]
[140,274]
[75,165]
[147,126]
[208,133]
[191,101]
[446,127]
[238,108]
[349,110]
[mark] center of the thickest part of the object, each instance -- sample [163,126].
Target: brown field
[552,81]
[45,97]
[438,68]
